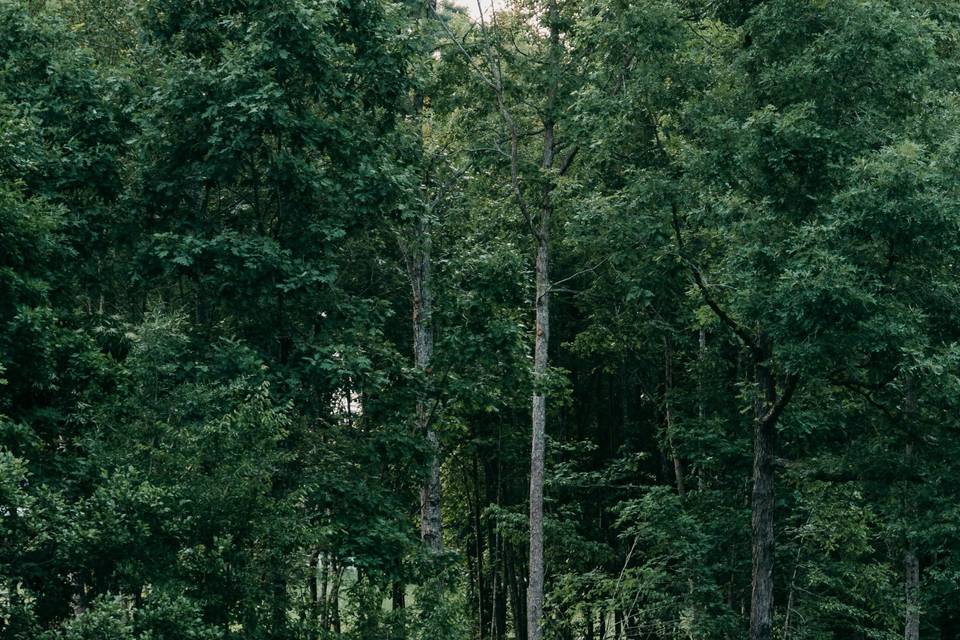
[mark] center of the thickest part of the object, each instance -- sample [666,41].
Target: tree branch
[781,403]
[724,317]
[565,165]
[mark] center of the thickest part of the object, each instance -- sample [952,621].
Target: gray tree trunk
[911,564]
[678,471]
[420,267]
[541,356]
[539,416]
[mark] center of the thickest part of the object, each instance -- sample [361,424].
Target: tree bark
[497,579]
[420,280]
[911,564]
[478,548]
[768,409]
[678,471]
[516,594]
[762,502]
[911,567]
[419,266]
[322,595]
[541,342]
[790,593]
[701,359]
[312,579]
[334,600]
[538,438]
[761,606]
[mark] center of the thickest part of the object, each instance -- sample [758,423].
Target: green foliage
[207,400]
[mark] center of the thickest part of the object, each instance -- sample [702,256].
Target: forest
[522,320]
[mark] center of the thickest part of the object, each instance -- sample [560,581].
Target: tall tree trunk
[419,265]
[541,342]
[762,508]
[518,611]
[701,358]
[791,591]
[538,421]
[911,564]
[280,597]
[322,595]
[761,606]
[430,524]
[497,581]
[768,409]
[539,411]
[479,539]
[668,410]
[312,578]
[911,567]
[333,599]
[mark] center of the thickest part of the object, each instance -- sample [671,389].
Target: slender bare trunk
[322,595]
[911,564]
[334,600]
[479,538]
[701,358]
[538,440]
[420,268]
[541,354]
[668,409]
[516,594]
[312,579]
[790,594]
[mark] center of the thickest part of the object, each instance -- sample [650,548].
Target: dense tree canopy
[551,319]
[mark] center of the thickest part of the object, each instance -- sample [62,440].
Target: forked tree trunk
[767,411]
